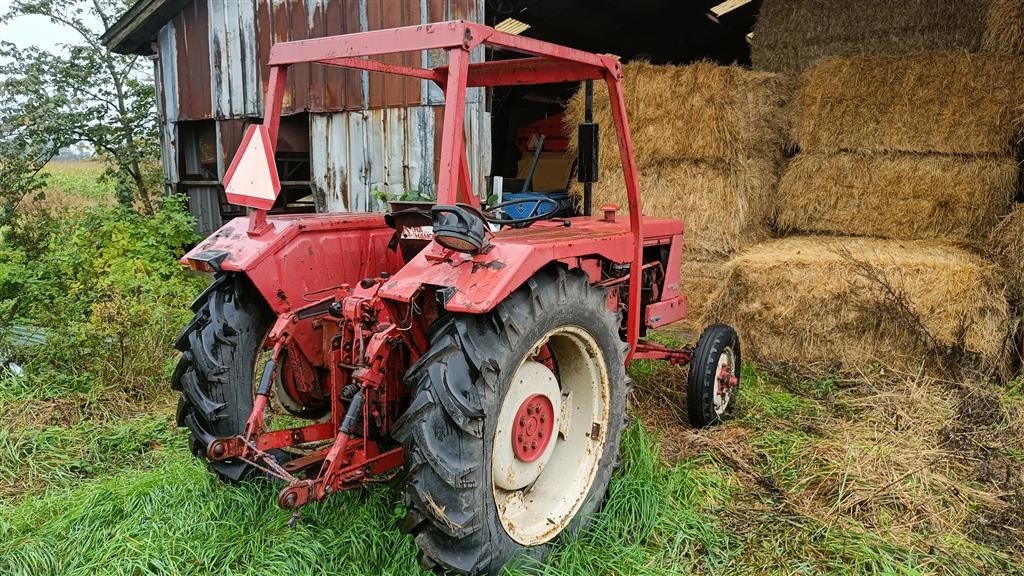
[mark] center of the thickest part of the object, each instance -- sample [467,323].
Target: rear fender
[299,260]
[478,283]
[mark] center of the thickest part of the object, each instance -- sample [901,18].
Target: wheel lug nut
[533,445]
[540,433]
[522,421]
[521,438]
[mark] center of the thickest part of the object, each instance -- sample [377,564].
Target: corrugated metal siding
[356,155]
[361,152]
[164,74]
[204,204]
[233,60]
[210,66]
[190,53]
[219,48]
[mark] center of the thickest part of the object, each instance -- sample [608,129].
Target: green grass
[101,494]
[167,515]
[46,458]
[176,519]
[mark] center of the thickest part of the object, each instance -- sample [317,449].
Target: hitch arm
[254,425]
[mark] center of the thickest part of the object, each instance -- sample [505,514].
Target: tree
[85,94]
[24,146]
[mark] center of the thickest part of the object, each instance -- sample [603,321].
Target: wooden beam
[727,6]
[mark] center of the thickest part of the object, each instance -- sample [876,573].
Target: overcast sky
[34,30]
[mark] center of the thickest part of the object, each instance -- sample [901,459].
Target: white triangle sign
[252,178]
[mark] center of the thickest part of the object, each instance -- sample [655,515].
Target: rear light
[206,261]
[456,243]
[198,265]
[459,228]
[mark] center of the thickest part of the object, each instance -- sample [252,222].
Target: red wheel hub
[532,428]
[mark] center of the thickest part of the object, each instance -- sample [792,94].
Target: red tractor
[478,358]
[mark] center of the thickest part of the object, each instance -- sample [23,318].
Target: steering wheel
[532,216]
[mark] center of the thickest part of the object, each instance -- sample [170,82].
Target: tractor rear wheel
[215,375]
[513,431]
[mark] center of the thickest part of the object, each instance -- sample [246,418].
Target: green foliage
[408,196]
[105,286]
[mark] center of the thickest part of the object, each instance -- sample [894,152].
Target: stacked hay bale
[708,142]
[1007,244]
[911,147]
[850,302]
[1004,28]
[791,35]
[916,152]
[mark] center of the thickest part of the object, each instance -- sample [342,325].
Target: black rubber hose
[268,377]
[355,409]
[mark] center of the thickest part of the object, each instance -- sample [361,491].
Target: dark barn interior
[660,31]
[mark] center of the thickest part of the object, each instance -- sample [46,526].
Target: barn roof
[134,31]
[659,30]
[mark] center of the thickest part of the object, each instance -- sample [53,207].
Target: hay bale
[791,35]
[699,280]
[949,103]
[902,196]
[702,111]
[1004,28]
[848,303]
[725,205]
[1007,243]
[708,140]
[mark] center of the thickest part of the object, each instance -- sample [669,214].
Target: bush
[105,286]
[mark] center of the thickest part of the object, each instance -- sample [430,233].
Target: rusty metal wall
[360,155]
[216,52]
[234,59]
[204,203]
[164,74]
[368,132]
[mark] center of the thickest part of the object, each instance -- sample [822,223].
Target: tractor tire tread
[443,429]
[231,320]
[700,382]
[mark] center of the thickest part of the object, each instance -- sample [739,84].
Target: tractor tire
[706,403]
[219,349]
[458,510]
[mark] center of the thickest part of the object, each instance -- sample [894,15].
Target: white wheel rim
[723,395]
[537,500]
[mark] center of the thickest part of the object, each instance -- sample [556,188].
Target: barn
[351,138]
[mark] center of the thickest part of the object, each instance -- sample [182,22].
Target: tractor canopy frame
[546,63]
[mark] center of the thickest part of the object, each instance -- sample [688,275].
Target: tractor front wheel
[714,376]
[514,429]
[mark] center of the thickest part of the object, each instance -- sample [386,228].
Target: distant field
[72,184]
